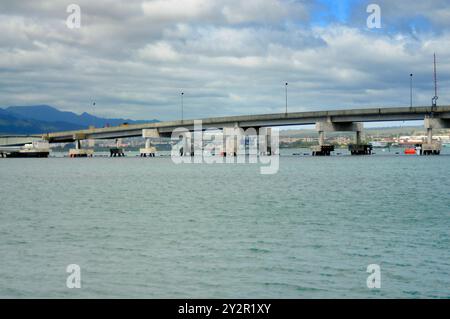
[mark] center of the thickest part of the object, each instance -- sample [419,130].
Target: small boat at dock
[377,144]
[410,151]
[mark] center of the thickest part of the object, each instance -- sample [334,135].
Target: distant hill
[11,124]
[44,118]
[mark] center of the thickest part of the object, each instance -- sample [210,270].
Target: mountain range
[37,119]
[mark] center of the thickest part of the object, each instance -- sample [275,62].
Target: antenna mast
[435,98]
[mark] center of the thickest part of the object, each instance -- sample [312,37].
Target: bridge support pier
[433,147]
[325,149]
[188,147]
[251,141]
[265,142]
[185,144]
[118,150]
[234,141]
[78,151]
[322,149]
[360,148]
[321,138]
[231,138]
[149,150]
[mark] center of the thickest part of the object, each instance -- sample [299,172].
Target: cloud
[223,11]
[229,57]
[159,51]
[265,11]
[178,10]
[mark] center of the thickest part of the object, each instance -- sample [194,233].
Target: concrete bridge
[18,140]
[164,129]
[326,121]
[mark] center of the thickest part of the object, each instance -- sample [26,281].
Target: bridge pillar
[433,147]
[325,149]
[118,150]
[265,141]
[360,148]
[251,141]
[187,143]
[78,151]
[429,135]
[321,138]
[149,149]
[358,137]
[322,149]
[189,146]
[233,138]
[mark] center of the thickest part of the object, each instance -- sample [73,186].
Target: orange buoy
[410,151]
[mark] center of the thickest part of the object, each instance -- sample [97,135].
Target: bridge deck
[277,119]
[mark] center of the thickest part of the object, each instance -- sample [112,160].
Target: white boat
[379,144]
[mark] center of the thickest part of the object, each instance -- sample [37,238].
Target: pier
[78,151]
[148,150]
[117,151]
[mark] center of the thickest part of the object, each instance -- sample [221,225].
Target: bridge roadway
[18,140]
[165,129]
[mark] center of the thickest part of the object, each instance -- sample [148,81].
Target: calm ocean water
[149,228]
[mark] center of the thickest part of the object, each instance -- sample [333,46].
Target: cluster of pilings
[116,152]
[73,153]
[360,149]
[430,152]
[150,152]
[322,150]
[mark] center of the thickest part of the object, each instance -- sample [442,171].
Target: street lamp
[286,86]
[411,89]
[93,108]
[182,94]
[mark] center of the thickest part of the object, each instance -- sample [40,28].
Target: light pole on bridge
[411,89]
[286,87]
[182,106]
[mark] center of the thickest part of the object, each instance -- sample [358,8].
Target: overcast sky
[133,58]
